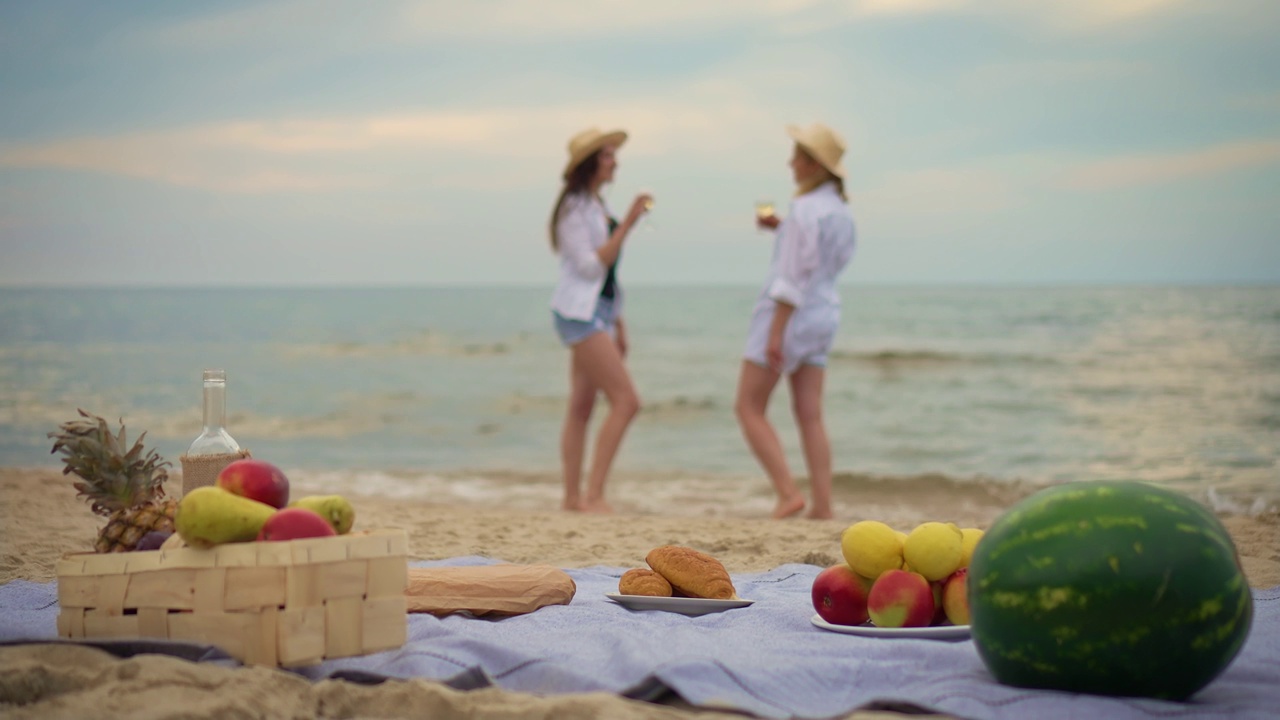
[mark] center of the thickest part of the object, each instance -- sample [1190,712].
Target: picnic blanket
[766,659]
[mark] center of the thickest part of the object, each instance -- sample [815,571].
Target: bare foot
[787,507]
[816,514]
[599,507]
[571,506]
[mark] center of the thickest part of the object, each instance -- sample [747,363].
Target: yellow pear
[334,508]
[209,516]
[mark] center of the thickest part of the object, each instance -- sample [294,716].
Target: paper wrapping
[488,590]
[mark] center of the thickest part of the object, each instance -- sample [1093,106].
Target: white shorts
[806,342]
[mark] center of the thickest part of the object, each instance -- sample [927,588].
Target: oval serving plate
[682,605]
[933,632]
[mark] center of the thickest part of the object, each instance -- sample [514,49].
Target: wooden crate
[266,603]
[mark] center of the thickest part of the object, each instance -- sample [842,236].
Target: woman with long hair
[795,319]
[587,311]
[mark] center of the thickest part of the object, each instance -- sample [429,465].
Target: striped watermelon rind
[1109,588]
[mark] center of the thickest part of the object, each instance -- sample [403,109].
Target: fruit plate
[934,632]
[682,605]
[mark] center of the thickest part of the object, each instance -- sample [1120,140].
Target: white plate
[934,632]
[682,605]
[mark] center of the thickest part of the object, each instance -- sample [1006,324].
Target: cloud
[1001,77]
[339,25]
[938,197]
[725,116]
[475,148]
[334,24]
[1142,170]
[207,157]
[350,23]
[906,7]
[550,20]
[1088,14]
[1075,15]
[1267,101]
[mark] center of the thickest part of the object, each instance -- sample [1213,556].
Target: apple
[840,595]
[939,615]
[256,480]
[294,524]
[954,600]
[901,599]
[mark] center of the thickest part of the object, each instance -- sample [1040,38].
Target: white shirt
[812,247]
[582,229]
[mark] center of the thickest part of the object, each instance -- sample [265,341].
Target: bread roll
[692,573]
[642,581]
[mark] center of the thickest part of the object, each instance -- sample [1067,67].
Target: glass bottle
[214,439]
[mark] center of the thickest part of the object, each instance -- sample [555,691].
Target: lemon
[903,537]
[934,549]
[970,539]
[871,547]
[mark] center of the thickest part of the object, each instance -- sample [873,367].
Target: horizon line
[478,284]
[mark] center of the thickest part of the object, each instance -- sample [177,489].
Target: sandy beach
[41,519]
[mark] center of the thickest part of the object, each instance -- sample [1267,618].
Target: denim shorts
[572,332]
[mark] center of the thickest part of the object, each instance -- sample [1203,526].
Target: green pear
[334,508]
[209,516]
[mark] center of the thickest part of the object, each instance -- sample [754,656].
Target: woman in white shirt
[587,311]
[795,319]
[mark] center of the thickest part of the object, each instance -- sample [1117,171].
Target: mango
[209,516]
[334,508]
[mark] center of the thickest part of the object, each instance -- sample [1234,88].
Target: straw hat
[822,143]
[582,145]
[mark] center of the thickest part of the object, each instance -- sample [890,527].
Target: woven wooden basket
[266,603]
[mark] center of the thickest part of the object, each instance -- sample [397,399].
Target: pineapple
[125,487]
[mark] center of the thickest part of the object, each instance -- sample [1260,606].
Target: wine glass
[648,207]
[764,209]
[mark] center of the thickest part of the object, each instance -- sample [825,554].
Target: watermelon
[1109,588]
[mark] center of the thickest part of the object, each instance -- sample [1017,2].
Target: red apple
[840,595]
[256,480]
[294,524]
[939,615]
[954,600]
[901,599]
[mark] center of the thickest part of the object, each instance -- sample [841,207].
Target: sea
[457,394]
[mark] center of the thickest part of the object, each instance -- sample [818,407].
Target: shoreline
[43,519]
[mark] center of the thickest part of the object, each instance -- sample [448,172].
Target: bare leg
[573,436]
[806,404]
[600,361]
[755,385]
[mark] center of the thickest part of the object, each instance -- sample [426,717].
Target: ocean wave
[30,352]
[520,403]
[897,359]
[424,343]
[677,493]
[680,405]
[979,487]
[1234,504]
[355,416]
[855,495]
[27,409]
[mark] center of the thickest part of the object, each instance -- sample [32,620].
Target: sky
[327,142]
